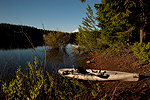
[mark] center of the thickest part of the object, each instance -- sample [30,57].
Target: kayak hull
[95,75]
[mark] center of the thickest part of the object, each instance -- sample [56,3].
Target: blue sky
[62,15]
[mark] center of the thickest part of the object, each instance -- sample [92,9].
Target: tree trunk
[143,21]
[141,34]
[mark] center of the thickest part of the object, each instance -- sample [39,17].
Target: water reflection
[79,59]
[66,57]
[56,58]
[57,55]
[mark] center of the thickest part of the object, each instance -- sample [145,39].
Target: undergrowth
[36,86]
[118,49]
[142,51]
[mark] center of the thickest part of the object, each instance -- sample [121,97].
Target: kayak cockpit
[80,71]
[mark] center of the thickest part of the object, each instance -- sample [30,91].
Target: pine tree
[112,17]
[123,21]
[89,33]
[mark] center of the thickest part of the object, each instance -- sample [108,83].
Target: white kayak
[98,75]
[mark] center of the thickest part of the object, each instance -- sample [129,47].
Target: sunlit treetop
[82,1]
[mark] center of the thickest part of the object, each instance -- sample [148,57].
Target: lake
[56,58]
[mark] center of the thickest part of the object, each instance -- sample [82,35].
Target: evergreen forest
[118,24]
[116,21]
[18,36]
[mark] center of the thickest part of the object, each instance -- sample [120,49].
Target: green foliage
[56,39]
[118,49]
[35,85]
[112,17]
[35,80]
[26,86]
[89,33]
[119,21]
[96,90]
[142,50]
[110,26]
[14,90]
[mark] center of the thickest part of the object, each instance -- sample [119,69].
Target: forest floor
[121,90]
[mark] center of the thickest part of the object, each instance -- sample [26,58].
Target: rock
[88,61]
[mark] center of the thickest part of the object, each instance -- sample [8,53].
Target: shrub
[56,39]
[27,86]
[118,49]
[142,51]
[35,86]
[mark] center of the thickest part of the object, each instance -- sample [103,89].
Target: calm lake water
[10,60]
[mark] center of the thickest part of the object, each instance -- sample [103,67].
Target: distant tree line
[14,36]
[18,36]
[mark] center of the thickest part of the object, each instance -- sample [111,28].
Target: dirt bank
[118,90]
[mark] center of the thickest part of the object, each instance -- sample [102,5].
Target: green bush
[118,49]
[56,39]
[27,86]
[142,50]
[35,85]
